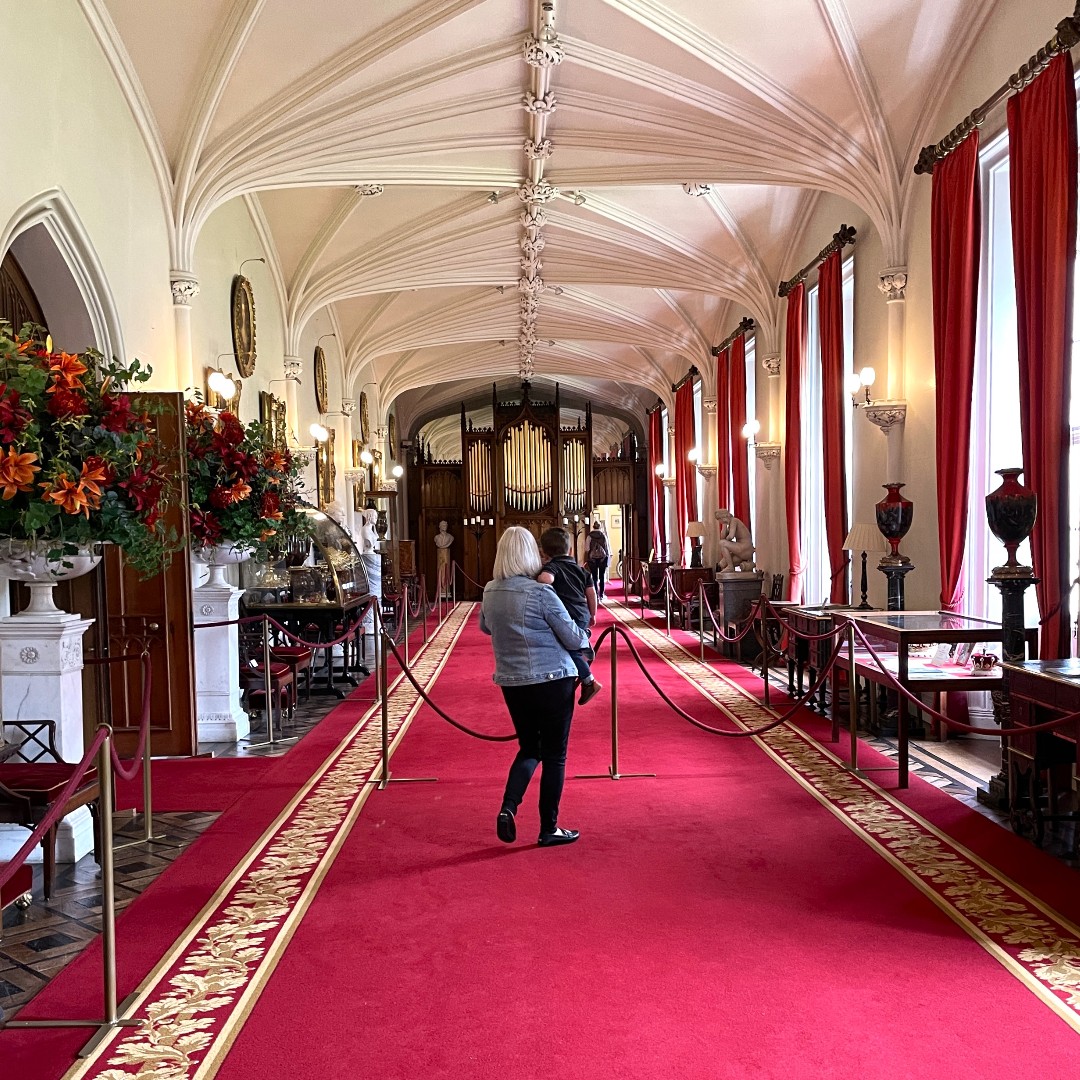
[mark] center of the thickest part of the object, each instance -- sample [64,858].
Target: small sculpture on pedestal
[369,538]
[443,542]
[735,547]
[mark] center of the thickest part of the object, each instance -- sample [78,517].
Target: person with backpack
[597,556]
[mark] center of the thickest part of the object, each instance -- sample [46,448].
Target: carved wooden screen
[574,475]
[527,467]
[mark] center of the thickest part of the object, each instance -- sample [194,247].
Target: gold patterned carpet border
[1027,937]
[197,998]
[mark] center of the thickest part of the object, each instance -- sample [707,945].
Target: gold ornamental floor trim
[1027,937]
[198,996]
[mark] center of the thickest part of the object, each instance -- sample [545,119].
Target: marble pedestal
[219,717]
[41,661]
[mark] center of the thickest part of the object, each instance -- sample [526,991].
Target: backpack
[598,549]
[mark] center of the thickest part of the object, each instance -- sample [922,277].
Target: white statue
[369,538]
[736,550]
[443,542]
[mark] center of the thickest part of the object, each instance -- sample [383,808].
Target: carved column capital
[671,430]
[668,481]
[707,472]
[709,404]
[892,283]
[886,414]
[771,364]
[293,368]
[369,191]
[185,287]
[348,406]
[767,453]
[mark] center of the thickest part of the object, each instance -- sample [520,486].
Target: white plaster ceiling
[305,107]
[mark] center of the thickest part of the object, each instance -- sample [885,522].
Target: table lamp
[695,530]
[864,538]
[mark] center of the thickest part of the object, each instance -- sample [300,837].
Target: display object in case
[323,571]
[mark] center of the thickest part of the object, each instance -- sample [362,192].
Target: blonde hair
[517,555]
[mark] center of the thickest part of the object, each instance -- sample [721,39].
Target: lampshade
[695,529]
[863,537]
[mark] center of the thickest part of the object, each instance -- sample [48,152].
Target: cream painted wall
[72,130]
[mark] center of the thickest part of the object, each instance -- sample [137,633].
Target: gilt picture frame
[243,326]
[322,393]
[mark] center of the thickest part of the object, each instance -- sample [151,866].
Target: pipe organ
[526,469]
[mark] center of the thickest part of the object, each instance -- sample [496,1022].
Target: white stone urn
[217,558]
[30,564]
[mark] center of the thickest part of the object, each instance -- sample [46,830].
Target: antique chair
[29,787]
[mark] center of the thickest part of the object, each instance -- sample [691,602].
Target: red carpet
[717,921]
[195,783]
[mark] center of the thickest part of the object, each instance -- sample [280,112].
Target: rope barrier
[469,579]
[295,638]
[56,807]
[720,631]
[144,716]
[822,676]
[427,700]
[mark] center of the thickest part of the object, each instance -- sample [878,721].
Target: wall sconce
[693,454]
[750,431]
[661,471]
[366,457]
[222,385]
[319,433]
[861,381]
[397,472]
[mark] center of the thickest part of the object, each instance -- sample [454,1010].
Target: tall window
[817,576]
[995,413]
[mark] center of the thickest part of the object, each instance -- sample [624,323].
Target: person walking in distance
[532,635]
[574,587]
[597,556]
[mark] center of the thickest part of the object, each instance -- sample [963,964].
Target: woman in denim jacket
[531,634]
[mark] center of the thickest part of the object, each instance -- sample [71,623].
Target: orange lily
[69,496]
[66,369]
[92,476]
[17,472]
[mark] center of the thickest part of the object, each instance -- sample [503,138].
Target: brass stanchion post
[385,719]
[667,601]
[405,622]
[701,617]
[853,708]
[764,611]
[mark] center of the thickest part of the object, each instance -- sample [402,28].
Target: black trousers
[598,571]
[541,713]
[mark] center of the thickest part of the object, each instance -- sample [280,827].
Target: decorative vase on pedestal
[1011,510]
[893,515]
[41,661]
[219,715]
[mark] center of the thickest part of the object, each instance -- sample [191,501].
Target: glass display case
[325,571]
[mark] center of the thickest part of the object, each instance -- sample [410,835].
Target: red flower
[118,415]
[65,402]
[270,506]
[245,466]
[13,417]
[144,487]
[205,527]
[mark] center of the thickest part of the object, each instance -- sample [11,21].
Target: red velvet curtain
[685,471]
[723,431]
[955,239]
[833,406]
[1042,168]
[656,486]
[794,349]
[740,476]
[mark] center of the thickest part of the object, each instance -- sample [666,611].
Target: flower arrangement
[79,461]
[242,491]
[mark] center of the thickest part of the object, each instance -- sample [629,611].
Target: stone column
[217,661]
[892,284]
[674,551]
[344,467]
[185,288]
[41,661]
[706,512]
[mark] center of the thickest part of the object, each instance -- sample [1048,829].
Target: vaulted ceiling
[587,191]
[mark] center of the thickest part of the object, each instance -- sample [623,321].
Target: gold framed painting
[272,416]
[357,450]
[325,471]
[359,494]
[243,325]
[365,426]
[322,392]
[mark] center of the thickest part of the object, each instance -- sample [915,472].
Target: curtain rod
[685,379]
[1068,35]
[652,408]
[744,327]
[844,236]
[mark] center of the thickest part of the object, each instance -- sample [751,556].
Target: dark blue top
[570,584]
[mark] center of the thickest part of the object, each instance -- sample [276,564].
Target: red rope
[144,716]
[56,807]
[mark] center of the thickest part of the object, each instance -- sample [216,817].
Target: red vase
[893,516]
[1011,511]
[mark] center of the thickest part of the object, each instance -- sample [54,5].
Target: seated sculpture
[735,547]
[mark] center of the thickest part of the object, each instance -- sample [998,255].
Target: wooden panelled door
[155,613]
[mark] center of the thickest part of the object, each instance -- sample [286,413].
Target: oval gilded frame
[322,394]
[365,426]
[243,326]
